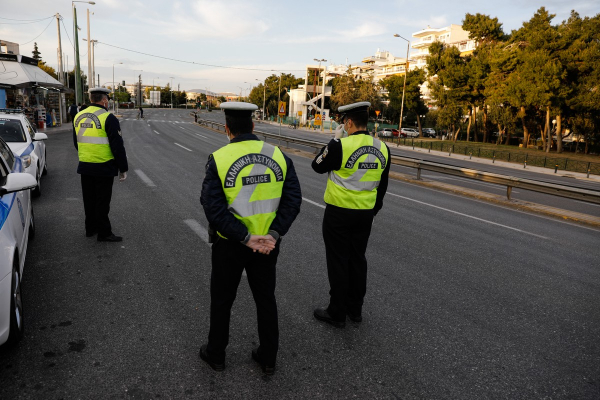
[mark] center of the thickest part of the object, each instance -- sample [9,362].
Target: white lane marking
[589,204]
[468,216]
[156,132]
[183,147]
[72,199]
[504,207]
[313,202]
[197,228]
[144,178]
[197,134]
[182,127]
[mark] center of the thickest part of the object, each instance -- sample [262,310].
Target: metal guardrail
[586,195]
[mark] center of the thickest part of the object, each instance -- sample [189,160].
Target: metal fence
[591,196]
[556,163]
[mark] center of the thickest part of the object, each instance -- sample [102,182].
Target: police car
[17,226]
[26,143]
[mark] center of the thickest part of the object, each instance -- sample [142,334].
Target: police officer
[251,196]
[97,137]
[358,167]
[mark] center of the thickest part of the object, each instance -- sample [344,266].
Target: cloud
[211,19]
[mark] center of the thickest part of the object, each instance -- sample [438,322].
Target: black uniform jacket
[112,167]
[330,159]
[216,208]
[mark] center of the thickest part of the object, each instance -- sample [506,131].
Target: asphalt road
[459,161]
[466,300]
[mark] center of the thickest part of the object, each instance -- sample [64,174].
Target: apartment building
[453,35]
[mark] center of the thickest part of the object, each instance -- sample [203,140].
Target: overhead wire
[29,20]
[21,44]
[198,63]
[67,32]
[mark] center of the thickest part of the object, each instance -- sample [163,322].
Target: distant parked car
[429,132]
[385,132]
[410,132]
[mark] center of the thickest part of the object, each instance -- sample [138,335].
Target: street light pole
[405,73]
[322,93]
[171,92]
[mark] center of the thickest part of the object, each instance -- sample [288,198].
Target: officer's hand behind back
[122,176]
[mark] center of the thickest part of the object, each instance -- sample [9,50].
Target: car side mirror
[40,136]
[18,181]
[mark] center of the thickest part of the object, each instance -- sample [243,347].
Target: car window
[11,130]
[8,156]
[30,129]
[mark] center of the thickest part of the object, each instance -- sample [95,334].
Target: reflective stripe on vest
[92,140]
[355,184]
[252,174]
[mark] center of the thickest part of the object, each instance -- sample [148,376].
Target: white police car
[17,226]
[26,143]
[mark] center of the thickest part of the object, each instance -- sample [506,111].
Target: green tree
[36,53]
[47,69]
[413,102]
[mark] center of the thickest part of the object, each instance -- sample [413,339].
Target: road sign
[281,108]
[376,126]
[318,119]
[299,113]
[377,112]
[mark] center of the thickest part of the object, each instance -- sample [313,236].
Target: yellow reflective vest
[92,140]
[252,173]
[355,184]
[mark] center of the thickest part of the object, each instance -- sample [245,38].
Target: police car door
[14,207]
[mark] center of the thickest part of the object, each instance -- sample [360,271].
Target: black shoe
[206,358]
[322,315]
[90,233]
[355,317]
[267,369]
[110,238]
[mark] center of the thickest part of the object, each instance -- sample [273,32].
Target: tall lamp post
[322,92]
[171,91]
[113,84]
[405,73]
[78,87]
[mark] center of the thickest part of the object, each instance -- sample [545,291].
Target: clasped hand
[262,244]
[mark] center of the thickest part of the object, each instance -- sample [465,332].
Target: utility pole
[78,89]
[89,54]
[60,61]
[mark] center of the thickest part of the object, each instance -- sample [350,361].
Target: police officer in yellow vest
[358,167]
[251,196]
[97,137]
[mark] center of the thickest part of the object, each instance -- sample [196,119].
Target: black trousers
[229,260]
[97,193]
[346,234]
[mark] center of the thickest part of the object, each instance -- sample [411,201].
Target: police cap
[354,108]
[100,90]
[238,108]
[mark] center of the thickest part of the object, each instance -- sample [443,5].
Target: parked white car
[410,132]
[26,143]
[17,226]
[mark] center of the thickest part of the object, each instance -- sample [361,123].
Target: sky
[257,38]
